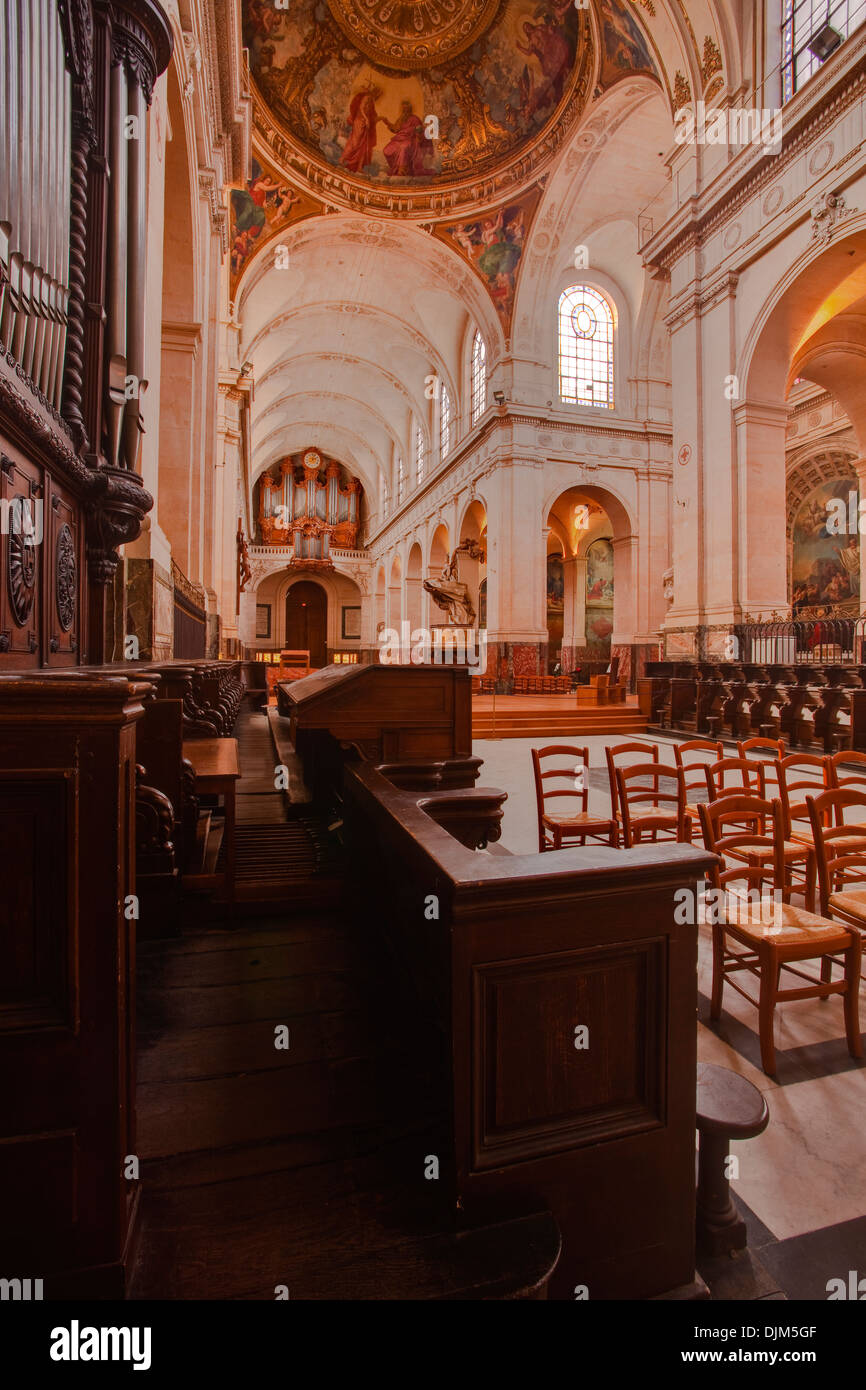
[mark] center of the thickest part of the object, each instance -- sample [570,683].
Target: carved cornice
[142,40]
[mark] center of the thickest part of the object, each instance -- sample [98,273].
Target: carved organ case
[76,81]
[305,505]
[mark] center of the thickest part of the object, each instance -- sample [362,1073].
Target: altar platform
[554,716]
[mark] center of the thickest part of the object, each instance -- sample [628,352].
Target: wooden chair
[772,941]
[792,778]
[613,755]
[840,850]
[669,824]
[560,831]
[837,776]
[689,761]
[727,776]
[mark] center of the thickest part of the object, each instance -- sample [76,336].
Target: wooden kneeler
[728,1107]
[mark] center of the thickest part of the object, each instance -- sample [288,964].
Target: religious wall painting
[408,94]
[599,597]
[493,245]
[555,608]
[263,208]
[825,567]
[625,50]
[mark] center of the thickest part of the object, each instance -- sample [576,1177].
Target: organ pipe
[35,113]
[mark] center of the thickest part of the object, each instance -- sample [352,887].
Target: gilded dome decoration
[417,98]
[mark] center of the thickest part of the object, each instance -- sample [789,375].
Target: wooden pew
[510,956]
[418,715]
[67,977]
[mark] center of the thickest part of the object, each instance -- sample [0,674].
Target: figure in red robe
[408,151]
[363,119]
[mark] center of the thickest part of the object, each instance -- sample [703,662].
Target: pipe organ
[299,509]
[76,82]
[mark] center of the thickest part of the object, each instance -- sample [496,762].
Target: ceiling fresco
[415,94]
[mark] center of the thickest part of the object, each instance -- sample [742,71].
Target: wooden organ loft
[540,1145]
[300,509]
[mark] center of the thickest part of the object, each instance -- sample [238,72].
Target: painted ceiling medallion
[392,101]
[412,34]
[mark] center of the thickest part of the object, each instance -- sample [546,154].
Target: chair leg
[718,970]
[766,1010]
[826,973]
[811,876]
[852,999]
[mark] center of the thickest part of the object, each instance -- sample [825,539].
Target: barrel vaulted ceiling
[371,241]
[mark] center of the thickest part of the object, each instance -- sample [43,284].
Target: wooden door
[307,621]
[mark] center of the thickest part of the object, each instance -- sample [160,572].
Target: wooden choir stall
[562,986]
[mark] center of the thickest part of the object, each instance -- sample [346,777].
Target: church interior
[432,652]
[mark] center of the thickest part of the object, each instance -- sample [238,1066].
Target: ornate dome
[396,103]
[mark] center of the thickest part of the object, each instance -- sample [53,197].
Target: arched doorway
[307,620]
[580,583]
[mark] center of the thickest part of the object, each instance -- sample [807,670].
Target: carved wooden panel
[38,1172]
[37,906]
[63,579]
[21,560]
[535,1092]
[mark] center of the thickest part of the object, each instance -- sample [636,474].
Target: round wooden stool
[714,723]
[728,1107]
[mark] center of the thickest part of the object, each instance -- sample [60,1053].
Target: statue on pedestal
[449,592]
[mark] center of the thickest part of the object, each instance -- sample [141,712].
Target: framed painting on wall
[263,620]
[351,622]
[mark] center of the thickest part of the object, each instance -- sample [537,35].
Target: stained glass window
[444,423]
[479,377]
[401,479]
[419,452]
[586,325]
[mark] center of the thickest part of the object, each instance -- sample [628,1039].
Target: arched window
[479,377]
[401,479]
[586,324]
[444,423]
[383,489]
[419,452]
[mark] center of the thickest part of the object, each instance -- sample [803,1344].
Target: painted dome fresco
[416,95]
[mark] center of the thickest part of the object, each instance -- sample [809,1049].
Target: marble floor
[801,1184]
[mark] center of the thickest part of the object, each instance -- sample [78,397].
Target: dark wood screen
[190,628]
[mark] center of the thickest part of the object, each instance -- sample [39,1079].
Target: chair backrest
[572,765]
[800,772]
[730,775]
[632,793]
[774,746]
[692,757]
[735,823]
[841,769]
[839,849]
[615,753]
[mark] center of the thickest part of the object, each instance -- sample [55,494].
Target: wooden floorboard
[305,1167]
